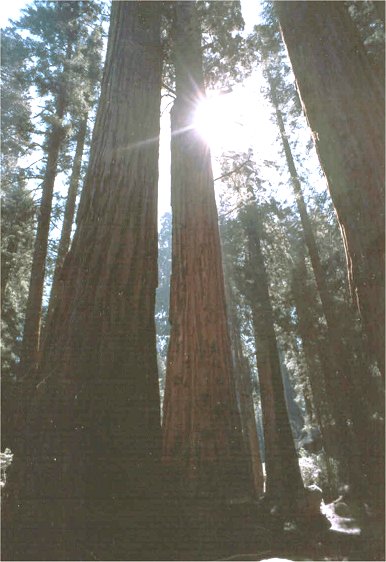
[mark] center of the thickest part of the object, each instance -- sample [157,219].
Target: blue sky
[10,10]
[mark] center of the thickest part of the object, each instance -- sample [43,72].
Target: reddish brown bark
[87,468]
[345,109]
[201,428]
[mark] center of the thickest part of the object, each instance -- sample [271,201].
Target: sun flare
[235,121]
[218,119]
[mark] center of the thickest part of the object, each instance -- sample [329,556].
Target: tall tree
[315,351]
[56,30]
[284,482]
[343,392]
[201,428]
[17,213]
[69,213]
[345,109]
[85,472]
[244,389]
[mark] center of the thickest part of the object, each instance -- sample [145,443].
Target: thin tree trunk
[345,109]
[31,334]
[316,367]
[69,214]
[6,265]
[93,435]
[283,479]
[202,438]
[244,393]
[347,391]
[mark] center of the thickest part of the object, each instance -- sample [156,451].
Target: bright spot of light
[235,121]
[219,121]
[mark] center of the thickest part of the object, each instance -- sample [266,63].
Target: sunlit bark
[201,429]
[86,470]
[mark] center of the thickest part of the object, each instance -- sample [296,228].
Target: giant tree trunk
[345,109]
[69,214]
[202,438]
[283,479]
[86,472]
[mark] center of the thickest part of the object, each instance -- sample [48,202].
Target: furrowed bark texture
[283,479]
[88,466]
[345,109]
[201,429]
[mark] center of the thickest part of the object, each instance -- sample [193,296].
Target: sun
[219,120]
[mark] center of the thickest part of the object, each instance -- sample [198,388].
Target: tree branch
[233,171]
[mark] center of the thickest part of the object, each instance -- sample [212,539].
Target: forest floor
[202,530]
[247,533]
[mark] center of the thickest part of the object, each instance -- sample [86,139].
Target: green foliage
[17,126]
[371,31]
[316,471]
[17,205]
[5,462]
[163,295]
[52,54]
[224,48]
[17,232]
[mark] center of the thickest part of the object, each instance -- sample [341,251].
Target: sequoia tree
[202,438]
[85,471]
[344,106]
[284,482]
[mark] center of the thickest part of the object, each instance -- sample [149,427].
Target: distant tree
[341,386]
[316,352]
[91,447]
[56,33]
[89,55]
[17,213]
[345,109]
[69,213]
[369,18]
[163,289]
[284,482]
[244,389]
